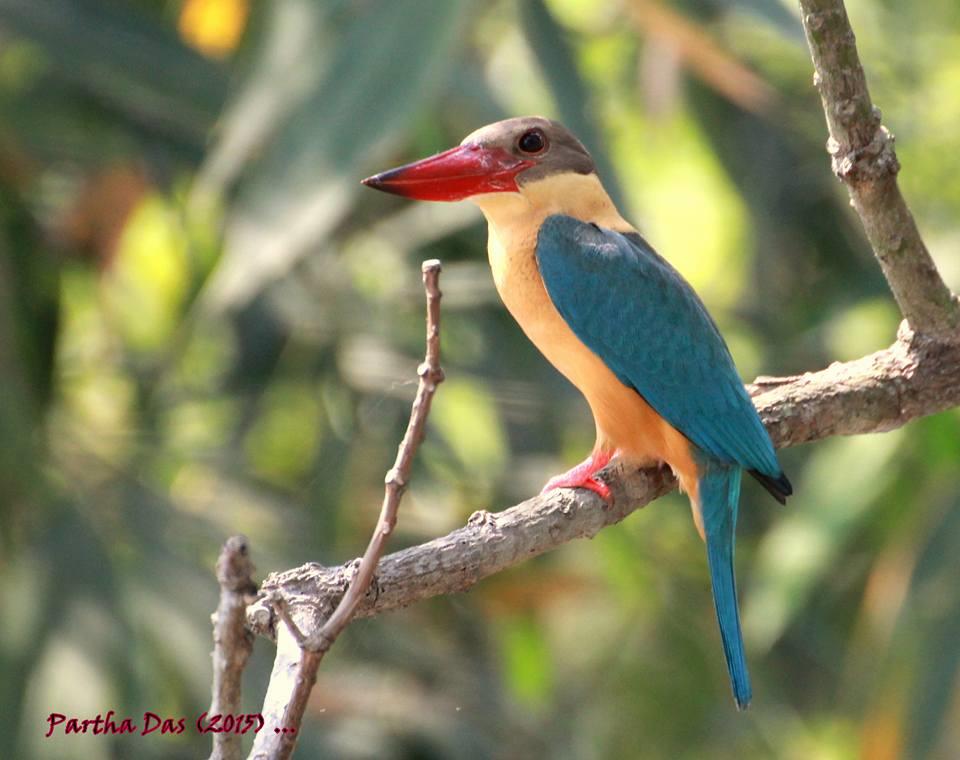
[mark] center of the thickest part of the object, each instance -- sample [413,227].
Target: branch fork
[314,642]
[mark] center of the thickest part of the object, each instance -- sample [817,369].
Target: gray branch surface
[863,157]
[916,376]
[232,642]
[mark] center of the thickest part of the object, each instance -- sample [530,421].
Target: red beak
[453,175]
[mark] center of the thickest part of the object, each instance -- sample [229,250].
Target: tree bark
[232,642]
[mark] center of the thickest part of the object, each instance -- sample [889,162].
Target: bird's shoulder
[572,252]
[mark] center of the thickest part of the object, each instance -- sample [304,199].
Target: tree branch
[290,684]
[232,642]
[916,376]
[863,157]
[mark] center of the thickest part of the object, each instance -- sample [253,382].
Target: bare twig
[915,377]
[864,158]
[319,638]
[279,605]
[231,639]
[431,375]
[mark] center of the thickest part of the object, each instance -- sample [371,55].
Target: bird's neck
[580,196]
[514,219]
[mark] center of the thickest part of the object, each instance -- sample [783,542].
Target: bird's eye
[533,141]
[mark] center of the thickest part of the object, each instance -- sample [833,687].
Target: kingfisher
[620,323]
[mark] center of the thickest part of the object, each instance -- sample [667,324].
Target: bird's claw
[591,484]
[582,476]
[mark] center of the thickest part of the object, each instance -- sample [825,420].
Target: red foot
[581,476]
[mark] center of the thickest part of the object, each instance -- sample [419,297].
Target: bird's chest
[513,261]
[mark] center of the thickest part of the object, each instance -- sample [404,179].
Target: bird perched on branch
[619,322]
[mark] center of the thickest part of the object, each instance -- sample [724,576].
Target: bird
[621,323]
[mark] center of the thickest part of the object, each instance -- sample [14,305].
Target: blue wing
[638,314]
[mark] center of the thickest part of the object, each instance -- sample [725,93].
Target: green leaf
[390,58]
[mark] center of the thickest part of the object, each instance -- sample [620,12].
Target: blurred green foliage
[208,327]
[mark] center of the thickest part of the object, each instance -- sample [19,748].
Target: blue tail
[719,496]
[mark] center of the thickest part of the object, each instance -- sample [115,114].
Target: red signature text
[151,723]
[229,724]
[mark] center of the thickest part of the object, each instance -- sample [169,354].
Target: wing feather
[637,313]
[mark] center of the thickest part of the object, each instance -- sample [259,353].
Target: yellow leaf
[213,27]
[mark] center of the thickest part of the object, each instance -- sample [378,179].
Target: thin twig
[282,611]
[271,744]
[864,158]
[232,642]
[431,375]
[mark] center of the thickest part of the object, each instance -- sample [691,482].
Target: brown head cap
[549,144]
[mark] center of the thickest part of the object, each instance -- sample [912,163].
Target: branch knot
[394,478]
[876,160]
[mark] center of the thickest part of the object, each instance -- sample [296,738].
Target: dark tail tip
[778,487]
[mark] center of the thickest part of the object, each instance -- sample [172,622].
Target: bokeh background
[207,326]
